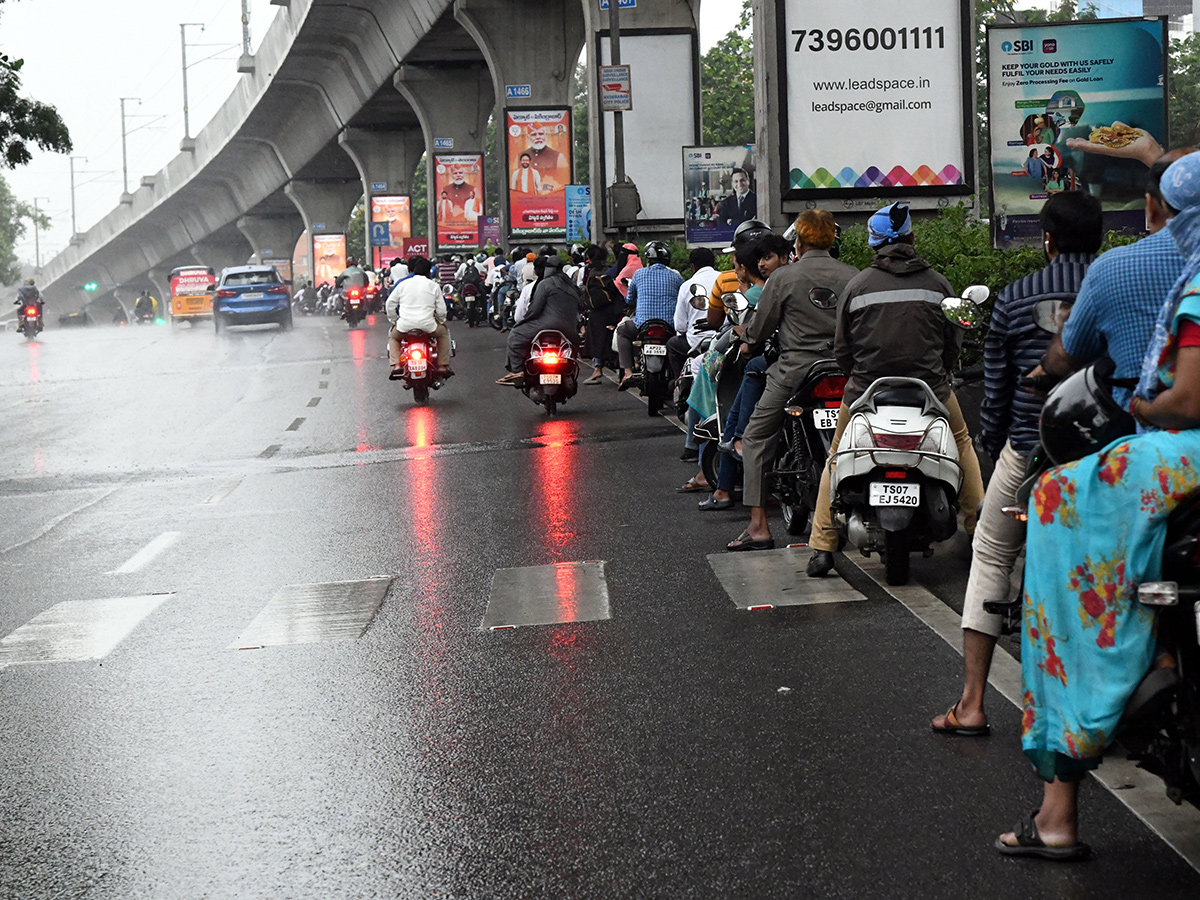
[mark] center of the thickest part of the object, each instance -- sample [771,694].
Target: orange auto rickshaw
[192,289]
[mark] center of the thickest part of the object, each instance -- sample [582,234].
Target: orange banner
[459,190]
[329,251]
[397,212]
[539,170]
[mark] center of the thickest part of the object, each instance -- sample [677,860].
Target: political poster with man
[539,170]
[397,212]
[458,183]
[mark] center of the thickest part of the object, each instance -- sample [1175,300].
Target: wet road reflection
[555,479]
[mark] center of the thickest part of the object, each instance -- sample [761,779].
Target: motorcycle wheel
[551,406]
[895,557]
[710,461]
[219,324]
[795,519]
[30,334]
[421,393]
[656,391]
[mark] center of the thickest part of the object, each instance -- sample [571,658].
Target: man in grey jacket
[555,305]
[891,323]
[805,332]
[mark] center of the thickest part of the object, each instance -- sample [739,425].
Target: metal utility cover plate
[77,630]
[776,578]
[311,613]
[548,595]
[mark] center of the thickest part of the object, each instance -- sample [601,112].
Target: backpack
[600,292]
[471,276]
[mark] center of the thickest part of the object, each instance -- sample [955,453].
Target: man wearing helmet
[890,322]
[28,293]
[554,305]
[727,283]
[653,292]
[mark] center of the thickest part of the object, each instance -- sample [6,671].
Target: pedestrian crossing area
[520,597]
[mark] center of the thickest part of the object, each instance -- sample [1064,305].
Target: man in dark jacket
[1072,229]
[804,335]
[555,305]
[891,323]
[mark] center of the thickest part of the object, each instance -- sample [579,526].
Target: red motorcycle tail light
[31,312]
[416,353]
[355,293]
[831,387]
[550,357]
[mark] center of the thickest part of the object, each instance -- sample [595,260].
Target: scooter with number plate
[551,370]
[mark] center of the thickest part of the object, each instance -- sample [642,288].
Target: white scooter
[897,474]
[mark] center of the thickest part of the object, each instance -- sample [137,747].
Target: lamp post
[124,153]
[37,246]
[187,143]
[73,158]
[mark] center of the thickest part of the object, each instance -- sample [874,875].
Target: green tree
[727,87]
[13,218]
[420,200]
[580,127]
[1183,89]
[356,234]
[24,121]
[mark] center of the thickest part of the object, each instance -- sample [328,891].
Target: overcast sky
[82,56]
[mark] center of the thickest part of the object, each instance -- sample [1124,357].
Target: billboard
[719,193]
[665,117]
[329,256]
[538,163]
[396,211]
[1079,106]
[883,110]
[458,188]
[415,246]
[579,212]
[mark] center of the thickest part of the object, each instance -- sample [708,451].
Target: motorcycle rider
[653,292]
[890,323]
[555,305]
[143,307]
[351,276]
[416,304]
[804,334]
[27,294]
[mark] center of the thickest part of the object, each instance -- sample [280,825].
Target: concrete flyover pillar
[161,280]
[526,43]
[325,205]
[386,161]
[453,106]
[221,254]
[271,237]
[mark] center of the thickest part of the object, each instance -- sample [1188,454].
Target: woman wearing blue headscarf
[1096,530]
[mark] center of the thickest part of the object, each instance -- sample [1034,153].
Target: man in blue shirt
[1122,295]
[1072,229]
[653,292]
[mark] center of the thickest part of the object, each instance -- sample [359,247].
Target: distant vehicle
[251,295]
[192,293]
[76,319]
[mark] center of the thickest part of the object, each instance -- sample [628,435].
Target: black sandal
[1030,844]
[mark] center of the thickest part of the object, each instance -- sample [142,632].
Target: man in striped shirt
[1072,229]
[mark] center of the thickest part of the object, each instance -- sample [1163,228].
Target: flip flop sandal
[692,487]
[595,379]
[744,542]
[713,503]
[1030,844]
[953,726]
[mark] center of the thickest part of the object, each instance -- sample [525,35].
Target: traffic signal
[90,286]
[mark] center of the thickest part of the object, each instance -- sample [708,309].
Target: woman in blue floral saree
[1096,529]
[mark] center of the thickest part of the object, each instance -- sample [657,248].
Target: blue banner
[579,212]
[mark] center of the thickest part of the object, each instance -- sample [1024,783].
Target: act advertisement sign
[1079,106]
[415,246]
[538,156]
[579,212]
[329,256]
[391,223]
[458,184]
[876,98]
[719,193]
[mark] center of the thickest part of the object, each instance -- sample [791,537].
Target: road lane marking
[324,371]
[313,613]
[222,492]
[77,630]
[295,426]
[1177,826]
[314,401]
[322,385]
[547,595]
[147,553]
[769,578]
[56,521]
[270,451]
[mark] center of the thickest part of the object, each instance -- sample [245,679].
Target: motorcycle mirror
[823,298]
[965,312]
[1051,314]
[699,297]
[447,290]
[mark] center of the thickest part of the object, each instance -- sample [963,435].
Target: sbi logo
[1017,46]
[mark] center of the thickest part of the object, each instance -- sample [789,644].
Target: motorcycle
[417,348]
[897,475]
[473,302]
[651,362]
[29,320]
[551,370]
[354,305]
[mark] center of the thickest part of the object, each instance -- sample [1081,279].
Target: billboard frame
[502,133]
[970,128]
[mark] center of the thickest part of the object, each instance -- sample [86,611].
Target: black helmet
[553,261]
[351,261]
[546,250]
[657,252]
[1081,417]
[750,230]
[577,253]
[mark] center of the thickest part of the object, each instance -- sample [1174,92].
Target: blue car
[252,295]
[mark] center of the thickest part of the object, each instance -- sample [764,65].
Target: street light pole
[124,153]
[37,245]
[183,26]
[74,231]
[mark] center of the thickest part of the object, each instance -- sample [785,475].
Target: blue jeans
[754,382]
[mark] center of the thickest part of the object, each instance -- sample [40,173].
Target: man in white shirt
[704,274]
[416,304]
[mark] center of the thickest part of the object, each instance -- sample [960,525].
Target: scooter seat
[900,396]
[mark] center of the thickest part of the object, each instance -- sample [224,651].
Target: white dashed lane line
[147,553]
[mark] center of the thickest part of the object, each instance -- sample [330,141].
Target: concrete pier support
[453,106]
[325,206]
[161,280]
[386,161]
[541,56]
[271,237]
[220,254]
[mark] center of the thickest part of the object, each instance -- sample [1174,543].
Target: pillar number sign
[876,98]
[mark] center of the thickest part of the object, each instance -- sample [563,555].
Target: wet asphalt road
[648,755]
